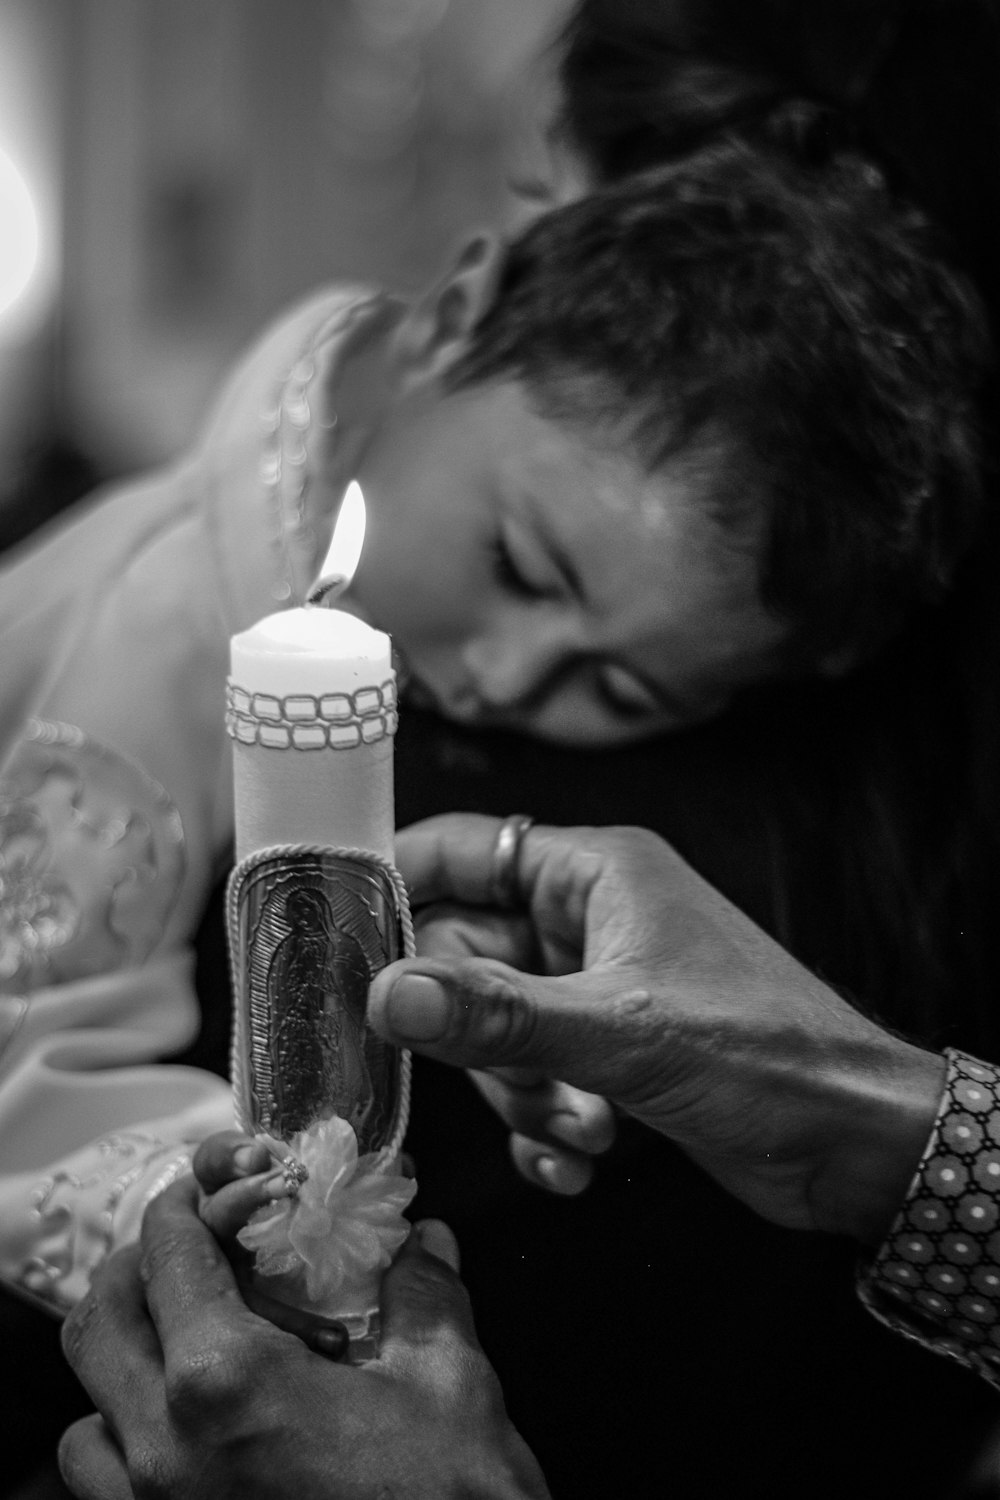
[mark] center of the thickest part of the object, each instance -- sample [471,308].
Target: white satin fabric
[116,623]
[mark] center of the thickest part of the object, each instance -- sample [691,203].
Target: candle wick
[325,590]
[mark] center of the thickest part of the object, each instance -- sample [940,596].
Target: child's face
[536,578]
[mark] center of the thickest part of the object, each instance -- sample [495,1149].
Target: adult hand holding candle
[316,910]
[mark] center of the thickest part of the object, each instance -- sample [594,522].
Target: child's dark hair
[860,817]
[800,326]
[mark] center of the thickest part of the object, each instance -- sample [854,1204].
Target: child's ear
[435,331]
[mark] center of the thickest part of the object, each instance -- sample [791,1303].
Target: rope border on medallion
[387,1156]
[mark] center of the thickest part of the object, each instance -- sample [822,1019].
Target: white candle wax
[312,712]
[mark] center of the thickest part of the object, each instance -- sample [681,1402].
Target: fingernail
[546,1169]
[437,1239]
[244,1158]
[276,1186]
[331,1342]
[419,1008]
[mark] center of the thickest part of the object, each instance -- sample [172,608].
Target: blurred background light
[175,172]
[18,234]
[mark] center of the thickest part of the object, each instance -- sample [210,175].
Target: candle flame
[344,552]
[348,535]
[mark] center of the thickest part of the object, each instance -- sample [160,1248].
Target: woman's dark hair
[913,83]
[791,335]
[863,822]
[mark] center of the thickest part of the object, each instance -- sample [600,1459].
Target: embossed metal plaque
[309,929]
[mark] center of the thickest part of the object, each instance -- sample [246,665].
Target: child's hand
[237,1176]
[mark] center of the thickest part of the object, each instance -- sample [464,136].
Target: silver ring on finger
[505,884]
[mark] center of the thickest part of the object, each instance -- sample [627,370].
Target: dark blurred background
[173,171]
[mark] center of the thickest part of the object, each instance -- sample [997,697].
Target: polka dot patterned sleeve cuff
[936,1277]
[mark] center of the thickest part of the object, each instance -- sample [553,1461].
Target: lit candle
[312,713]
[312,707]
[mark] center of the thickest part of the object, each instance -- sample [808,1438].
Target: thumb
[91,1464]
[423,1301]
[438,1240]
[478,1013]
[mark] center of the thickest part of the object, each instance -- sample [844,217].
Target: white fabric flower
[345,1224]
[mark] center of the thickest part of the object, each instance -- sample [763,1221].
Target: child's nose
[508,671]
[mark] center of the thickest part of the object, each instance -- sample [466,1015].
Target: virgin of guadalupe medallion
[312,928]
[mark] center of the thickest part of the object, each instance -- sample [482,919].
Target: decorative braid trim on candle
[301,721]
[255,965]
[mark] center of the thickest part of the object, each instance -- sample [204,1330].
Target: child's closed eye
[626,694]
[509,573]
[523,565]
